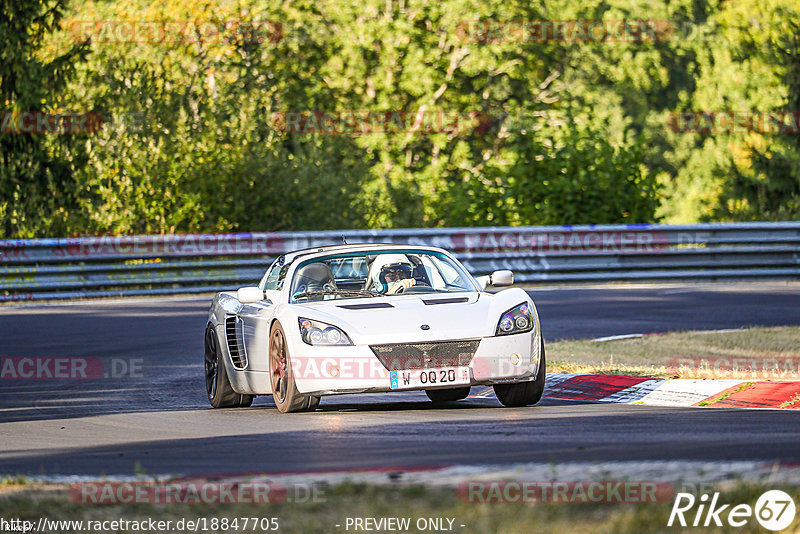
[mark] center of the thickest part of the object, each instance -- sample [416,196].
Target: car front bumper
[326,370]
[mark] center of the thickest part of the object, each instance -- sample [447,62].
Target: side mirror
[502,278]
[497,279]
[249,295]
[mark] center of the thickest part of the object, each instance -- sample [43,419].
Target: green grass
[791,402]
[359,500]
[651,355]
[726,394]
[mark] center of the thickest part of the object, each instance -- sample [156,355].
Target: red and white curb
[674,392]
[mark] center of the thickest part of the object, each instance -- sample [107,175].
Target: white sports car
[372,318]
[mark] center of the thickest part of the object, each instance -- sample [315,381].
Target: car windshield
[376,274]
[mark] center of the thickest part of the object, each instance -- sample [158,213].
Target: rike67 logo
[774,510]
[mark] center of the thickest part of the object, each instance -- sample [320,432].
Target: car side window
[275,276]
[282,277]
[271,280]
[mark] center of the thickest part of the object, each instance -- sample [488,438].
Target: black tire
[523,393]
[284,392]
[447,395]
[218,387]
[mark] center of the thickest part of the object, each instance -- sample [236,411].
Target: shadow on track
[340,440]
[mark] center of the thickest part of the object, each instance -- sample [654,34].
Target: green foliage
[37,182]
[568,131]
[748,62]
[771,186]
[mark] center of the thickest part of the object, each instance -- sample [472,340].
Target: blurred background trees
[566,131]
[38,175]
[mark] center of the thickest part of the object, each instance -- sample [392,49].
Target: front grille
[233,334]
[402,356]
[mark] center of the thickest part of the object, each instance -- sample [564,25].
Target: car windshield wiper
[357,292]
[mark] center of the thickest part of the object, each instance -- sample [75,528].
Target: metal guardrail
[33,269]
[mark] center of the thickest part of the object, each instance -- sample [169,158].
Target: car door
[254,320]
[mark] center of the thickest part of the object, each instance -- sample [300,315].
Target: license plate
[416,378]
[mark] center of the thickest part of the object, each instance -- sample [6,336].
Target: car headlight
[517,320]
[319,333]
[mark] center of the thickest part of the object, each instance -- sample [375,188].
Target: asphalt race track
[154,417]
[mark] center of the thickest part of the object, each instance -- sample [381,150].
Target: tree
[37,188]
[770,188]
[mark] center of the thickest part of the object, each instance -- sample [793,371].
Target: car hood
[403,318]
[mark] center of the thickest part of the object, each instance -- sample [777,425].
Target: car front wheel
[523,393]
[284,391]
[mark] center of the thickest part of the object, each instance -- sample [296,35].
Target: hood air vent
[366,306]
[452,300]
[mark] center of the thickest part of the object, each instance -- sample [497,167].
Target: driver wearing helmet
[396,277]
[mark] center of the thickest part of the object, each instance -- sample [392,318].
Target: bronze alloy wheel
[277,361]
[284,391]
